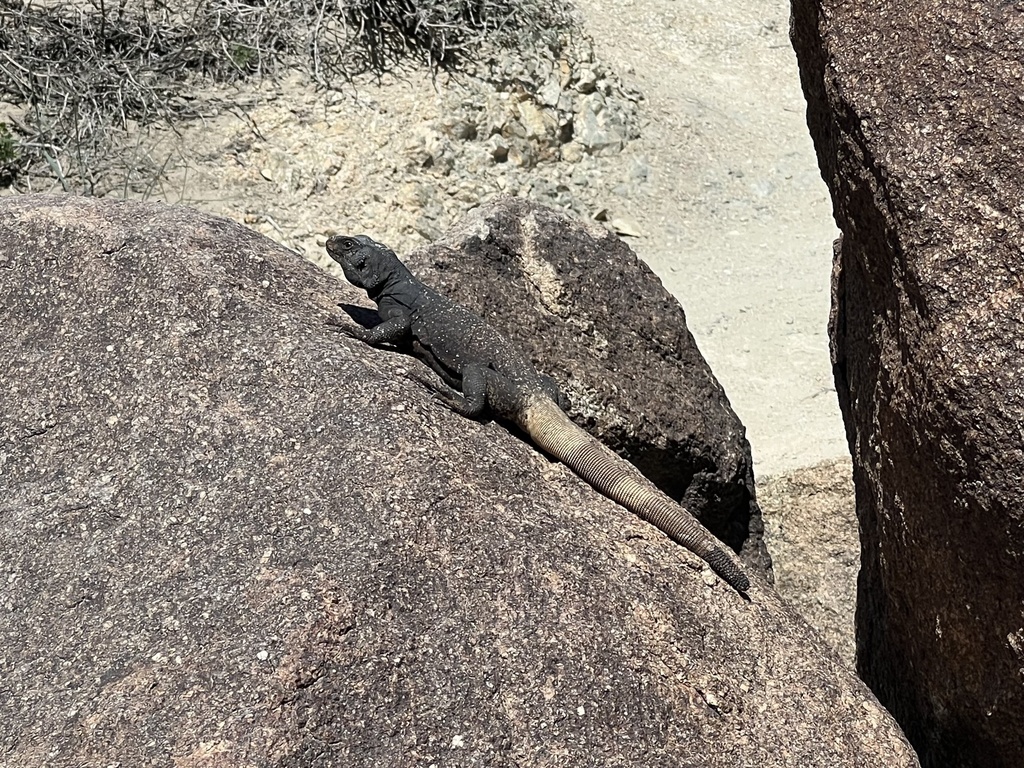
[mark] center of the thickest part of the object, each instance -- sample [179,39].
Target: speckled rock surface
[232,537]
[916,114]
[811,531]
[597,320]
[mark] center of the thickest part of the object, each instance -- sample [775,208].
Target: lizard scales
[472,357]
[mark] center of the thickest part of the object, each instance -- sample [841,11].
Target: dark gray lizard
[472,357]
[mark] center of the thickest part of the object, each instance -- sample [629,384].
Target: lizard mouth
[334,245]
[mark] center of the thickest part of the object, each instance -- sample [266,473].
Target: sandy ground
[736,219]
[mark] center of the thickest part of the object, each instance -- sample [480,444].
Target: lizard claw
[339,325]
[441,396]
[445,401]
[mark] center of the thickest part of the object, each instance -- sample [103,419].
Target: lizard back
[456,337]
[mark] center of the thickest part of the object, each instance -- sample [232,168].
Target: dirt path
[736,219]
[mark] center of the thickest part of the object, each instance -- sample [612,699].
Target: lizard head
[366,263]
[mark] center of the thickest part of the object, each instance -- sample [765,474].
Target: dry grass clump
[90,71]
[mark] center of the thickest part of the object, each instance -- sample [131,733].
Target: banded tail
[556,434]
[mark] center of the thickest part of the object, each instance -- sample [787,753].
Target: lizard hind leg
[473,400]
[551,389]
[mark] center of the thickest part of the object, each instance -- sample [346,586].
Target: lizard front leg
[394,330]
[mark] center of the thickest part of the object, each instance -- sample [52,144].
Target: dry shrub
[90,71]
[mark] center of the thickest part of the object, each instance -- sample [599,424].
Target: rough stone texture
[596,319]
[232,537]
[916,114]
[811,531]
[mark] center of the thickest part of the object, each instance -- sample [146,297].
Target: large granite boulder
[917,115]
[233,537]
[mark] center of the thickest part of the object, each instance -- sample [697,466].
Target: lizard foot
[445,397]
[439,393]
[335,323]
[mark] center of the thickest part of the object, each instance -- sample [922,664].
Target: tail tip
[738,581]
[724,566]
